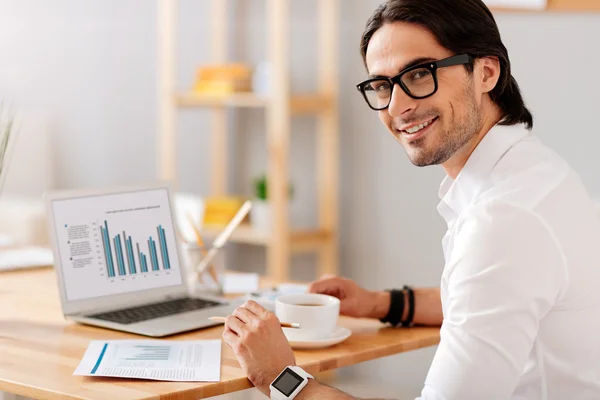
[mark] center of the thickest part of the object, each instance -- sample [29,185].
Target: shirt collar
[457,194]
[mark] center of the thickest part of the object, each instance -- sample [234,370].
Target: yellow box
[221,87]
[220,210]
[223,78]
[234,71]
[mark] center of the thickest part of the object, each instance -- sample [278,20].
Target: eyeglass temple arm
[455,60]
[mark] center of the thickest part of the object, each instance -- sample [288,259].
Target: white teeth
[417,128]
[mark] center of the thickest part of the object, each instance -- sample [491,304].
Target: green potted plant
[260,213]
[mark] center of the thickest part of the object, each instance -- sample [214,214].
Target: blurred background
[85,79]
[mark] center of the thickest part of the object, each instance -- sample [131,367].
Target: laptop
[118,265]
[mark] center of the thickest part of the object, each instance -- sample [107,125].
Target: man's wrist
[316,390]
[311,386]
[290,374]
[381,305]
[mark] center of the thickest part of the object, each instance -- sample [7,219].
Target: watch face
[287,382]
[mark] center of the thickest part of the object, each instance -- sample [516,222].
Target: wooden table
[39,350]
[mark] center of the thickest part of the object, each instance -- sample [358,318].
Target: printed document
[163,360]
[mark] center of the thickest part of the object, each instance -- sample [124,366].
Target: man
[519,307]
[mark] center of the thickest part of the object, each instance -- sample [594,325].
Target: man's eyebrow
[416,61]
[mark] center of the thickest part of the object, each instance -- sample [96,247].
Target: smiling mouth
[417,131]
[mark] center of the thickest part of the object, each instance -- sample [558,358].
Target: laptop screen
[116,243]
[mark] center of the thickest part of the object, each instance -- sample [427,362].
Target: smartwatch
[289,383]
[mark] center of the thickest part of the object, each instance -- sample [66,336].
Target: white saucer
[338,336]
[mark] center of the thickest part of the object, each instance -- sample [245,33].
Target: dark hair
[461,26]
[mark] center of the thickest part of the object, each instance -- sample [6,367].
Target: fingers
[234,324]
[330,285]
[232,340]
[244,315]
[260,319]
[255,308]
[229,337]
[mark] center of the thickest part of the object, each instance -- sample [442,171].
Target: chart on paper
[167,360]
[116,243]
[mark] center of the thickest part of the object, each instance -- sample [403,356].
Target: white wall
[92,66]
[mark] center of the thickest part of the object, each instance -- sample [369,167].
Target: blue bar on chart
[155,253]
[107,250]
[143,266]
[153,257]
[121,254]
[129,250]
[151,353]
[115,244]
[106,246]
[124,250]
[120,259]
[163,247]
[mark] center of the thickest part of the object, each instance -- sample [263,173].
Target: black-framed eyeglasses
[419,81]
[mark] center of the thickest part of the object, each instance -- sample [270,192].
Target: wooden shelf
[242,234]
[301,240]
[249,100]
[299,104]
[280,104]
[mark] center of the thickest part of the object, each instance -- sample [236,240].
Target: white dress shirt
[521,285]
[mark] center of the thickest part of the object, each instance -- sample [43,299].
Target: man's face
[453,113]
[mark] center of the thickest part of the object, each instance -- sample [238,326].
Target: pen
[224,236]
[283,324]
[200,244]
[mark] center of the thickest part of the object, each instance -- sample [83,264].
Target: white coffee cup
[317,315]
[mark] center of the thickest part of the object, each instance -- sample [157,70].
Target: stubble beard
[452,140]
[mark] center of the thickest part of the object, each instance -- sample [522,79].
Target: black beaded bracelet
[394,315]
[411,306]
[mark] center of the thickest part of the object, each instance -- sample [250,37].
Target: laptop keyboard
[155,310]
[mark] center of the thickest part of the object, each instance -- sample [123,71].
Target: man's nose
[400,103]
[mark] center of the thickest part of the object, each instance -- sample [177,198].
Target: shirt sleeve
[504,273]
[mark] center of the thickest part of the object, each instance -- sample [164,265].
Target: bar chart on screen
[116,243]
[123,258]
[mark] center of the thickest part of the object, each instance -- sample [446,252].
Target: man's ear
[490,72]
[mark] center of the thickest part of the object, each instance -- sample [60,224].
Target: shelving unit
[300,104]
[279,108]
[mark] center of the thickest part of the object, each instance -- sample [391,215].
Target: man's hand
[354,300]
[256,337]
